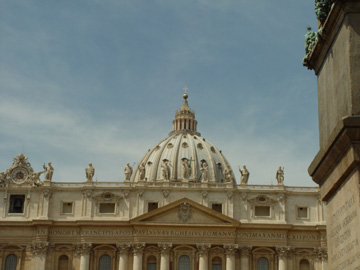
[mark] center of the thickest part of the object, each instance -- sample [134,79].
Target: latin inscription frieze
[180,233]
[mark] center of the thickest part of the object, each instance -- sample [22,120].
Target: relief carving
[203,249]
[184,212]
[39,248]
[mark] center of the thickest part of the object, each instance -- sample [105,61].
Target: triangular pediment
[184,212]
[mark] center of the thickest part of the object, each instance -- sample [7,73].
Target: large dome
[184,155]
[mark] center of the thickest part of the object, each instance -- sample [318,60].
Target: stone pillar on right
[335,59]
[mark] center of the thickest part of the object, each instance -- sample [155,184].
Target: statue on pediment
[34,179]
[49,171]
[90,172]
[128,172]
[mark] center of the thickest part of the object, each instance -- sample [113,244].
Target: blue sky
[99,81]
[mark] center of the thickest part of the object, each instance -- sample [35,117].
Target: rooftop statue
[244,175]
[186,169]
[204,172]
[90,172]
[227,174]
[280,176]
[128,172]
[142,171]
[49,171]
[165,170]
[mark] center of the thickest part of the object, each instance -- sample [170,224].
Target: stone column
[230,250]
[230,204]
[138,249]
[282,253]
[87,200]
[203,250]
[322,256]
[39,250]
[244,259]
[84,250]
[123,255]
[165,255]
[45,205]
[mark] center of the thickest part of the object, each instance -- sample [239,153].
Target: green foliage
[322,9]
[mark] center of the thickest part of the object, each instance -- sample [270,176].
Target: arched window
[105,262]
[216,263]
[151,263]
[11,262]
[63,262]
[184,262]
[262,264]
[304,265]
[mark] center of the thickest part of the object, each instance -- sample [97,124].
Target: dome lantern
[184,121]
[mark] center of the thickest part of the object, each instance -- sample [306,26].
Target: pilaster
[39,250]
[282,254]
[165,255]
[138,250]
[203,250]
[230,250]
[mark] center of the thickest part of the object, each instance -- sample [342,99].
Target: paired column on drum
[203,250]
[39,250]
[244,258]
[282,254]
[165,255]
[230,250]
[138,250]
[123,255]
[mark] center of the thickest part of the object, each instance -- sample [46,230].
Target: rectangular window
[302,212]
[262,211]
[17,204]
[67,208]
[152,206]
[217,207]
[107,208]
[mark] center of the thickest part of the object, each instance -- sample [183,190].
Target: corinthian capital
[123,248]
[39,248]
[83,249]
[230,249]
[203,249]
[282,251]
[321,253]
[165,247]
[245,251]
[138,248]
